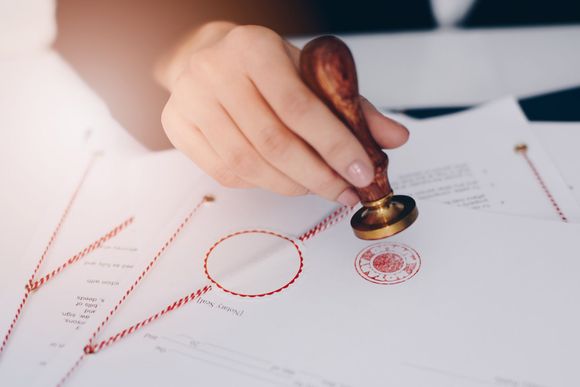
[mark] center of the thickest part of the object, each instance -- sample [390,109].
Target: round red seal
[387,263]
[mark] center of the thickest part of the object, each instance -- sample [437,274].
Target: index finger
[277,79]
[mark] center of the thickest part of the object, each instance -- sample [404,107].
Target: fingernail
[348,197]
[360,174]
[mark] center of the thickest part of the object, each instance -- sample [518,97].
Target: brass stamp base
[384,217]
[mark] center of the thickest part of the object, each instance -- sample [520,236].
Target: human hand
[239,109]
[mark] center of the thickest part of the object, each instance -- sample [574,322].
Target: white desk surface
[464,67]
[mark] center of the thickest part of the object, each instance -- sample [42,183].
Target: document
[461,298]
[255,340]
[199,340]
[469,159]
[561,141]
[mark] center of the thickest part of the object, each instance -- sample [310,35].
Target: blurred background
[113,44]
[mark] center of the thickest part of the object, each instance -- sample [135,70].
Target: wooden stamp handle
[327,67]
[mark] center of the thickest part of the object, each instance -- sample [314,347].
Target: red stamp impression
[387,263]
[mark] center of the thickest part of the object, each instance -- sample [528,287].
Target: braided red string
[522,149]
[33,284]
[63,217]
[46,250]
[330,220]
[71,370]
[15,319]
[333,218]
[90,248]
[257,231]
[91,348]
[147,269]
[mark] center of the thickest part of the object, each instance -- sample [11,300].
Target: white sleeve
[26,25]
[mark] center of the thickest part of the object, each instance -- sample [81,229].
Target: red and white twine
[90,248]
[255,231]
[32,283]
[333,218]
[92,347]
[522,149]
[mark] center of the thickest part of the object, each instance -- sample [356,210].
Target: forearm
[172,63]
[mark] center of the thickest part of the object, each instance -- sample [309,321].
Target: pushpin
[327,67]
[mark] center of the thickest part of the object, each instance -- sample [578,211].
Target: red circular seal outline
[400,260]
[256,231]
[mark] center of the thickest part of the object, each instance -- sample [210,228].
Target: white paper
[468,159]
[492,304]
[178,271]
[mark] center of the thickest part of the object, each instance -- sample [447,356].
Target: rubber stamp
[328,68]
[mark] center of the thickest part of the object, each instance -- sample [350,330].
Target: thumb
[387,133]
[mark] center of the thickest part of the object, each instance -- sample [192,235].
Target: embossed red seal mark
[387,263]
